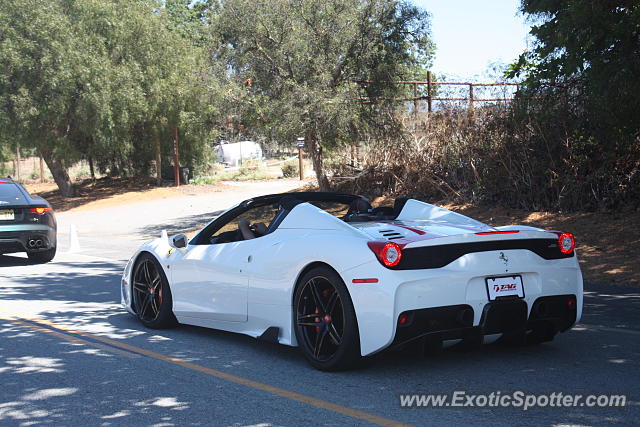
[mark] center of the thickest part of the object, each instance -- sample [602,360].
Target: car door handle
[249,258]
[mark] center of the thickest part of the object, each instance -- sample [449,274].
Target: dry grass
[108,192]
[498,154]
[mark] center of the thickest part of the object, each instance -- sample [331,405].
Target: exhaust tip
[465,317]
[543,309]
[31,243]
[38,243]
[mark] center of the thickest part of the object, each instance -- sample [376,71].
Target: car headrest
[398,205]
[243,226]
[260,228]
[359,206]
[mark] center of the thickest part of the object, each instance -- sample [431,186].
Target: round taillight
[388,253]
[566,243]
[391,254]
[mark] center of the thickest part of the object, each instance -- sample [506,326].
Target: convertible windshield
[337,209]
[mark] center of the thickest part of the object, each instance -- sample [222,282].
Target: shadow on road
[612,306]
[87,282]
[140,390]
[13,261]
[49,381]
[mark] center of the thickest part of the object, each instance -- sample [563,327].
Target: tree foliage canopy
[108,80]
[97,78]
[593,46]
[582,74]
[300,59]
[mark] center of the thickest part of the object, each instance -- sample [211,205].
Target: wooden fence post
[429,91]
[415,103]
[471,98]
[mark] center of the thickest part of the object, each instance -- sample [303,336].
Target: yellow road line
[309,400]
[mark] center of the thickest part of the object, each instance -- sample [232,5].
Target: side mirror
[178,241]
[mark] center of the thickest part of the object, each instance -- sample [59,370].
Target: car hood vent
[391,234]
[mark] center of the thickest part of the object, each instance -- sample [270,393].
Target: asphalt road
[69,355]
[114,232]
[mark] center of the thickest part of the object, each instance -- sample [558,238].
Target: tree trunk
[59,172]
[92,169]
[17,177]
[41,169]
[315,152]
[158,160]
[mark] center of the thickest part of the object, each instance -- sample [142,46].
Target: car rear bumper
[453,301]
[26,238]
[509,317]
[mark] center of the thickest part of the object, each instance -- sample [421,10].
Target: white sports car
[330,274]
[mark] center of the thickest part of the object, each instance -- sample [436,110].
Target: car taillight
[40,210]
[388,253]
[566,243]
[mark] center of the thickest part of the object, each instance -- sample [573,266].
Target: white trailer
[233,153]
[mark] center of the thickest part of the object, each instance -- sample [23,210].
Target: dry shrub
[501,154]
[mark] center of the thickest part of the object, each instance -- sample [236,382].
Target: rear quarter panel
[276,269]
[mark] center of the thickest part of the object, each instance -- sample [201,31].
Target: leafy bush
[244,174]
[82,173]
[204,180]
[290,169]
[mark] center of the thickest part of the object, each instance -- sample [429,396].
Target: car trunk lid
[394,230]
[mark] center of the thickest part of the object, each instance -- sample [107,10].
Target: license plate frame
[505,286]
[7,215]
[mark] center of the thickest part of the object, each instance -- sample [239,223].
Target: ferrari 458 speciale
[341,279]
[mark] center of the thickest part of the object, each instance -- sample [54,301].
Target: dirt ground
[606,242]
[104,193]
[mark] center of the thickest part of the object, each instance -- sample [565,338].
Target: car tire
[325,321]
[43,256]
[151,294]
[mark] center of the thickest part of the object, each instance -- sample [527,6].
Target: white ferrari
[340,279]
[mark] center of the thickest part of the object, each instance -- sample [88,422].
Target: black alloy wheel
[326,326]
[151,294]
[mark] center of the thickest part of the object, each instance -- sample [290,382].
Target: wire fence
[428,95]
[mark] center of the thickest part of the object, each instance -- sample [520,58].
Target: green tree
[103,79]
[299,59]
[592,44]
[584,67]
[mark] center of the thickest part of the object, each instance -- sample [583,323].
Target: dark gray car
[27,223]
